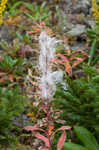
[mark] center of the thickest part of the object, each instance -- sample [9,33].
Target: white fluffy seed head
[47,45]
[48,77]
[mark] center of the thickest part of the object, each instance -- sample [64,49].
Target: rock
[79,45]
[4,34]
[21,121]
[76,6]
[66,6]
[68,27]
[77,30]
[81,6]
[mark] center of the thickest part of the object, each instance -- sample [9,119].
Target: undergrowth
[12,104]
[76,104]
[79,102]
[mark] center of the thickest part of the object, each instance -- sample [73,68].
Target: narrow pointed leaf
[50,130]
[63,128]
[92,51]
[43,138]
[65,62]
[61,141]
[33,128]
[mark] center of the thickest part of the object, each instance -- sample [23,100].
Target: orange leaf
[13,20]
[79,60]
[68,68]
[61,141]
[43,138]
[11,77]
[67,65]
[50,129]
[73,58]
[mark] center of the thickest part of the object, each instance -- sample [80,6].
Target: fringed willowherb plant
[48,80]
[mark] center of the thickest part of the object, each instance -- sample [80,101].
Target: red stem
[5,147]
[48,125]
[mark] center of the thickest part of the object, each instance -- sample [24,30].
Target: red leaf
[68,68]
[33,128]
[66,63]
[44,149]
[62,128]
[75,58]
[43,138]
[79,60]
[61,141]
[2,74]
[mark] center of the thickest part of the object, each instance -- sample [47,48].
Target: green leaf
[29,6]
[72,146]
[28,15]
[43,5]
[19,36]
[92,51]
[9,61]
[27,38]
[86,137]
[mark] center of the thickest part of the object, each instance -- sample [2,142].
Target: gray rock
[68,3]
[4,33]
[79,45]
[21,121]
[77,30]
[81,6]
[68,27]
[76,6]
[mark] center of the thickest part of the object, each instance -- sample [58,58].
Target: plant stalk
[48,125]
[5,147]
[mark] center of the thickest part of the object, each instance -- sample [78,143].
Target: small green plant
[11,105]
[37,12]
[25,38]
[80,102]
[93,33]
[13,66]
[8,63]
[93,37]
[86,138]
